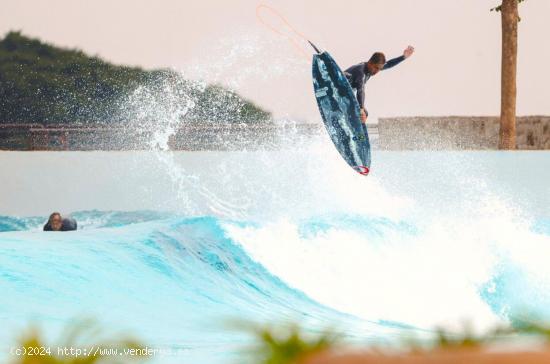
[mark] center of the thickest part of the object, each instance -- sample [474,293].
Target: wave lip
[414,273]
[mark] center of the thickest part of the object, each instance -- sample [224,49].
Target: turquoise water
[173,246]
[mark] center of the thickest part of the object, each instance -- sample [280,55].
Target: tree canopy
[42,83]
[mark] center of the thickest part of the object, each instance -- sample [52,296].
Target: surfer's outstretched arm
[395,61]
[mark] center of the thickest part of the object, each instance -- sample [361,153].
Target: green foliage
[218,104]
[290,345]
[466,339]
[76,348]
[46,84]
[530,328]
[284,345]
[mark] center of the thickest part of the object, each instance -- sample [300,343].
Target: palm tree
[510,19]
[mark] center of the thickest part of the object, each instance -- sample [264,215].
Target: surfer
[359,74]
[58,223]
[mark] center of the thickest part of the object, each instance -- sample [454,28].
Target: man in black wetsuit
[359,74]
[57,223]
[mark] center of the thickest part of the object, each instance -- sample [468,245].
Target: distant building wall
[409,133]
[458,132]
[187,137]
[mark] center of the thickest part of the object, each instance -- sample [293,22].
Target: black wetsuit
[67,224]
[359,74]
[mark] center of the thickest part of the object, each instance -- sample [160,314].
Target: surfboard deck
[340,113]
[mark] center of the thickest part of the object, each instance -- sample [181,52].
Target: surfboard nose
[314,47]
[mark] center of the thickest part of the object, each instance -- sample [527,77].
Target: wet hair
[53,215]
[378,58]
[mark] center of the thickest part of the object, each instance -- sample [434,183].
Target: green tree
[41,83]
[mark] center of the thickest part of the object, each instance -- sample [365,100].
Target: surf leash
[295,37]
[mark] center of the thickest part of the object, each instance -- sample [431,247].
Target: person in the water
[359,74]
[58,223]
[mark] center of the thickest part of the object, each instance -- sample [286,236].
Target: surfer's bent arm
[393,62]
[357,78]
[361,98]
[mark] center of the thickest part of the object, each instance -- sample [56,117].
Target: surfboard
[340,112]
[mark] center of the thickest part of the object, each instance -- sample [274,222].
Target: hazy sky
[455,71]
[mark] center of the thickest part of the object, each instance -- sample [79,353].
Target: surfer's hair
[54,214]
[378,58]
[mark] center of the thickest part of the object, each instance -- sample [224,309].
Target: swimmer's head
[55,221]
